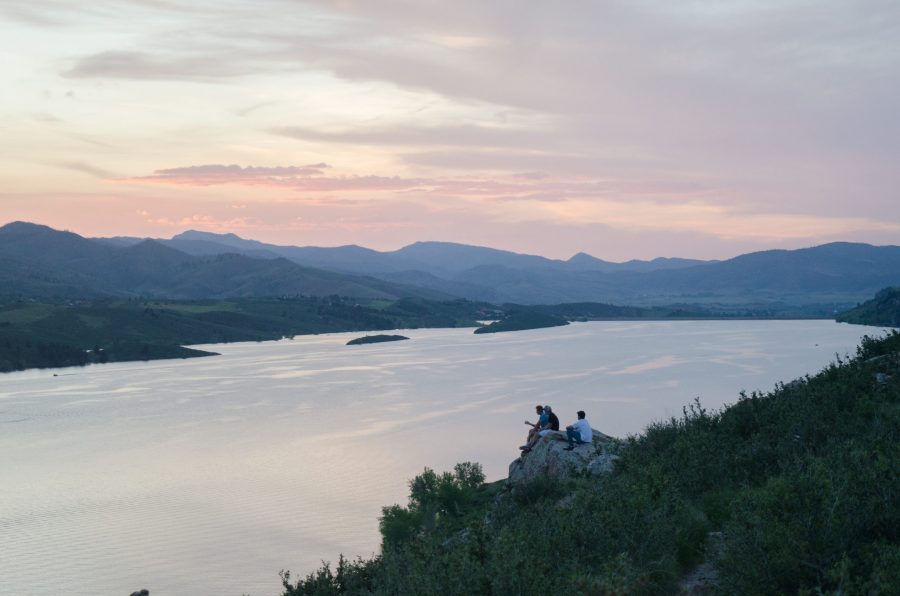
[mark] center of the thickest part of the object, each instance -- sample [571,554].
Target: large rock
[549,458]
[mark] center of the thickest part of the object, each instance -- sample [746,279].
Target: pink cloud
[530,188]
[207,175]
[311,178]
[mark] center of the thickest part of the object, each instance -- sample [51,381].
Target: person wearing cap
[554,421]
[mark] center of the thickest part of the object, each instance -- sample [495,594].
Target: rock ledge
[549,459]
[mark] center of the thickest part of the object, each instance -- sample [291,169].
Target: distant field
[194,307]
[20,314]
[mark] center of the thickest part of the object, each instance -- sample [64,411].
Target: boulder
[549,458]
[602,464]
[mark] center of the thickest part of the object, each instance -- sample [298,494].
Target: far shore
[200,353]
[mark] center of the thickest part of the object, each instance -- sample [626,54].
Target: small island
[519,321]
[375,339]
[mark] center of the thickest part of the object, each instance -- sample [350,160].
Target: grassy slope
[803,482]
[882,310]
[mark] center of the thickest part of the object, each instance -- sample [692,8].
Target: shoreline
[197,347]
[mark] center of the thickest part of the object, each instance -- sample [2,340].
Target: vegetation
[77,332]
[521,320]
[802,482]
[375,339]
[882,310]
[52,335]
[599,311]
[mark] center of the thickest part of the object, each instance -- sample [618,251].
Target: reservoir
[209,475]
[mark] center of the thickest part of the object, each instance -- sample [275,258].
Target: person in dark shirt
[551,423]
[554,421]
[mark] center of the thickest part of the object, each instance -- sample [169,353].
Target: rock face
[549,459]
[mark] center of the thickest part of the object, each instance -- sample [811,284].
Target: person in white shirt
[579,432]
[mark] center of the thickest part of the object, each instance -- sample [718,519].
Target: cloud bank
[749,124]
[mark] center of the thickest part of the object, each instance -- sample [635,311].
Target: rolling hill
[883,310]
[829,277]
[822,280]
[39,262]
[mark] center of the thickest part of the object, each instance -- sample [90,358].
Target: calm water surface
[208,476]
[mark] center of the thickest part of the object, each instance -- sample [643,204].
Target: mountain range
[37,261]
[40,261]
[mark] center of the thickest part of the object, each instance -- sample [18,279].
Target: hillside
[832,274]
[791,491]
[40,335]
[39,262]
[816,281]
[883,310]
[77,332]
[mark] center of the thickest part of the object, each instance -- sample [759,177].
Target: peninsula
[522,320]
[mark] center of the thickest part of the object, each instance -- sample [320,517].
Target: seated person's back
[554,421]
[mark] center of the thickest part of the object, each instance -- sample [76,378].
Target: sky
[638,129]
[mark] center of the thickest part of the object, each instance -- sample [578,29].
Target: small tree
[431,497]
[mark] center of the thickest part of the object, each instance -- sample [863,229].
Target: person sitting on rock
[543,421]
[552,425]
[579,432]
[554,421]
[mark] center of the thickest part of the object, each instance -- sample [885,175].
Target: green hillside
[34,334]
[799,488]
[882,310]
[37,262]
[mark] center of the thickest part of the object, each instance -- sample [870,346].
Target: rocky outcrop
[549,458]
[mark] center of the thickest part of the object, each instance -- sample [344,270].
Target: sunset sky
[630,129]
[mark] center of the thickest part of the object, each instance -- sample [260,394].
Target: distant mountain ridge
[444,258]
[197,264]
[839,273]
[37,261]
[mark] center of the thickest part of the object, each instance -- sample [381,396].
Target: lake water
[208,476]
